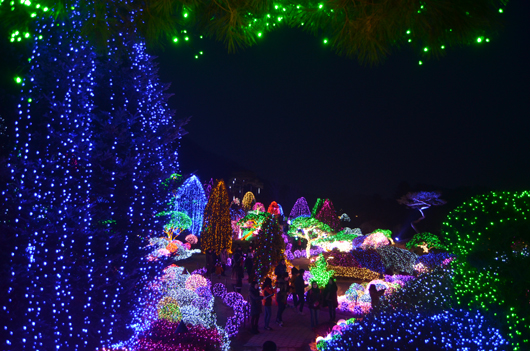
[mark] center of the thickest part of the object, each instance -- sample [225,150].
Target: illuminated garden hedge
[447,330]
[489,235]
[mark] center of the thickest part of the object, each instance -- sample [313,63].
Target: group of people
[216,263]
[285,285]
[315,297]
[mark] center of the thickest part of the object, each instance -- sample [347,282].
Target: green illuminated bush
[490,234]
[431,240]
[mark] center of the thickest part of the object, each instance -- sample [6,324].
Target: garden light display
[81,184]
[327,215]
[190,199]
[269,248]
[369,259]
[168,309]
[397,260]
[421,201]
[251,224]
[274,209]
[300,209]
[258,207]
[217,230]
[374,241]
[320,272]
[489,273]
[248,201]
[180,297]
[341,241]
[310,229]
[433,260]
[425,241]
[407,330]
[178,222]
[191,239]
[238,303]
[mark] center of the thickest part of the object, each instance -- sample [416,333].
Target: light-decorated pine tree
[93,140]
[217,229]
[300,209]
[269,247]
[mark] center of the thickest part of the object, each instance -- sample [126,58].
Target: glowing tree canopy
[191,200]
[300,209]
[251,224]
[310,229]
[178,222]
[258,206]
[328,215]
[490,236]
[269,247]
[421,201]
[217,231]
[364,29]
[248,201]
[425,241]
[274,208]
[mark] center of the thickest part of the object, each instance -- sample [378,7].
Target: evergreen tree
[89,151]
[300,209]
[217,232]
[269,247]
[274,208]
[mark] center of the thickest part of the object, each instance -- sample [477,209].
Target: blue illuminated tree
[191,200]
[93,140]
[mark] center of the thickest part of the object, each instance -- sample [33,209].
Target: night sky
[294,112]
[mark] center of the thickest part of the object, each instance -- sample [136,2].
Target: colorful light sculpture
[248,201]
[300,209]
[217,230]
[191,200]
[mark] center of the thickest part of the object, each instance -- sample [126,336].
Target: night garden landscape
[264,175]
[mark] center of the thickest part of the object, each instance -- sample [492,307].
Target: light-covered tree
[421,201]
[310,229]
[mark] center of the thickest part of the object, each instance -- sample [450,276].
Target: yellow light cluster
[354,272]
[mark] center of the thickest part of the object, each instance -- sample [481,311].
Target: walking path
[295,335]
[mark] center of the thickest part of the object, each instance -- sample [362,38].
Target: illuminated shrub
[433,260]
[398,260]
[431,291]
[369,259]
[446,330]
[192,239]
[167,336]
[425,241]
[168,309]
[375,241]
[354,292]
[248,201]
[344,259]
[258,206]
[492,269]
[195,281]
